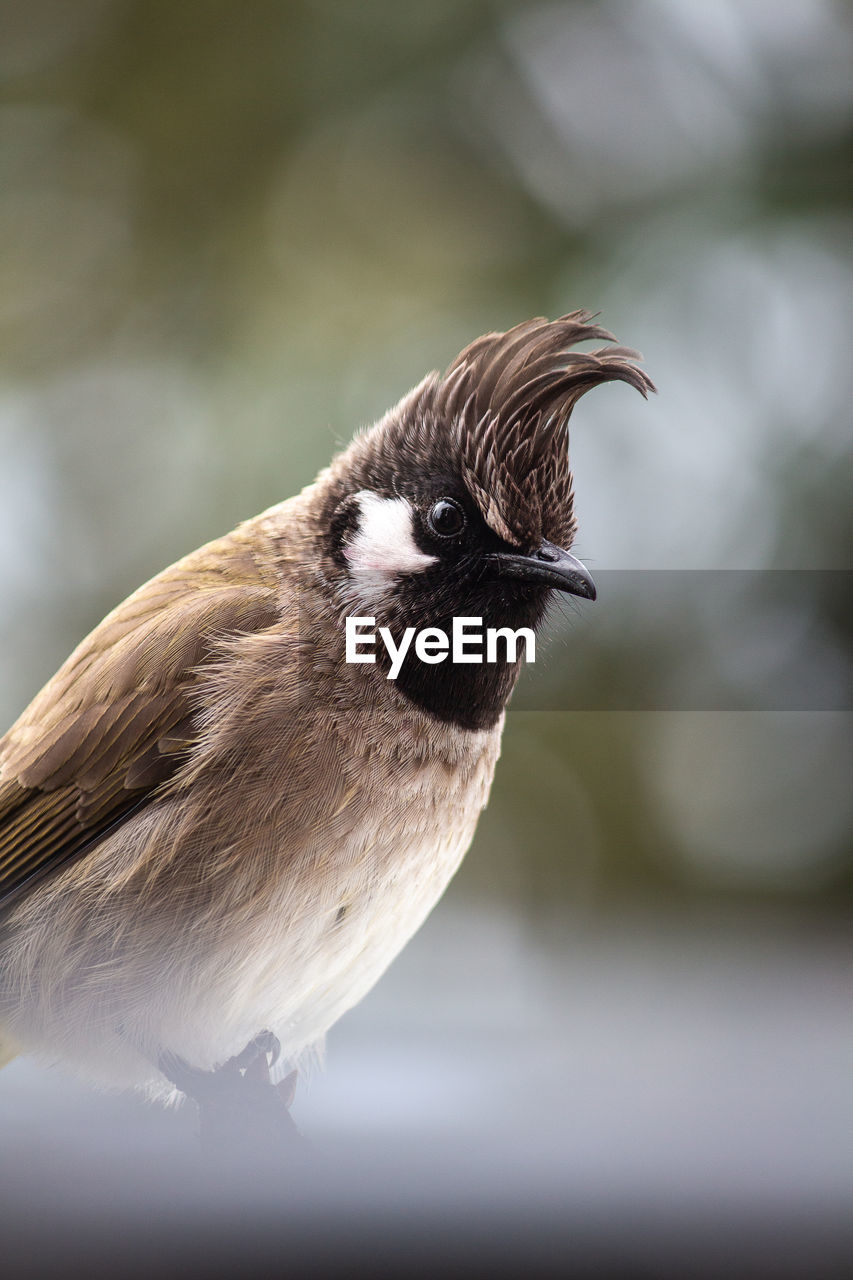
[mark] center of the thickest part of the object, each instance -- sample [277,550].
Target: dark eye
[446,518]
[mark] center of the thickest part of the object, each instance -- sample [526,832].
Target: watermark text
[468,642]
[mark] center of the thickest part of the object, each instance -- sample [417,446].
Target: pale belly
[293,964]
[300,991]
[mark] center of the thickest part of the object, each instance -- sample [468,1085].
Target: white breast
[354,953]
[315,955]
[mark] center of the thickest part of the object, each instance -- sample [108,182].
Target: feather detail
[499,415]
[510,396]
[116,720]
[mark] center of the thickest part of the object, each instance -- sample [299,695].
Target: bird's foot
[239,1107]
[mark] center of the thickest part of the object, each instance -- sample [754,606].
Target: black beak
[550,566]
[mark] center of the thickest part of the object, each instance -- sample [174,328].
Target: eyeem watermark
[467,642]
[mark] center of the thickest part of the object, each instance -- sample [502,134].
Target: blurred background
[229,235]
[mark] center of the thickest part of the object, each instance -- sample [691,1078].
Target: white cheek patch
[383,547]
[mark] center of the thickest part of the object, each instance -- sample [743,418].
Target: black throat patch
[469,695]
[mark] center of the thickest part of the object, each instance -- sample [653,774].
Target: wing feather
[117,719]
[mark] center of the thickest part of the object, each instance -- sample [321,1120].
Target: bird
[216,833]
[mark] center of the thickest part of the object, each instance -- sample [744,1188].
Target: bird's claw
[263,1045]
[264,1048]
[193,1081]
[237,1101]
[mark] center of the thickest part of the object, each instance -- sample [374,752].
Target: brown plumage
[209,822]
[509,397]
[114,721]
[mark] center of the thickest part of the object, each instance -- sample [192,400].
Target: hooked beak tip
[550,566]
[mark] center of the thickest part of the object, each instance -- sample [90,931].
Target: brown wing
[116,719]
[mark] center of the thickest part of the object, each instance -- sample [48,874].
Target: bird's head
[459,503]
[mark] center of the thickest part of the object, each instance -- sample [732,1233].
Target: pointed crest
[498,419]
[508,398]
